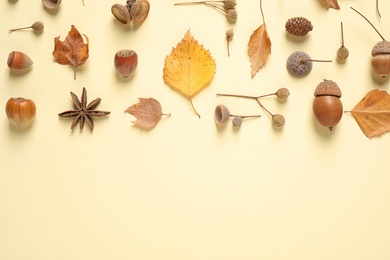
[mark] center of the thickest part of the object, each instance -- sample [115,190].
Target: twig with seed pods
[227,9]
[278,120]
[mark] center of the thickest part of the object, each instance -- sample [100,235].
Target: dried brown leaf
[189,68]
[372,113]
[147,112]
[72,51]
[332,4]
[259,48]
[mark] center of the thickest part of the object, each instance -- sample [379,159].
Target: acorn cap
[298,26]
[382,47]
[328,88]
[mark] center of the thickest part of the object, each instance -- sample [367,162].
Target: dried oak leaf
[259,47]
[72,51]
[372,113]
[189,68]
[332,4]
[147,112]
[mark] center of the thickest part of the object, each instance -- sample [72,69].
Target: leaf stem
[377,8]
[261,10]
[193,108]
[368,22]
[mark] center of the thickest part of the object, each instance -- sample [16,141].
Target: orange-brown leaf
[259,48]
[332,4]
[189,68]
[372,113]
[72,51]
[147,112]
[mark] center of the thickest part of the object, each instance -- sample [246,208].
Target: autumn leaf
[72,51]
[372,113]
[259,46]
[189,68]
[147,112]
[332,4]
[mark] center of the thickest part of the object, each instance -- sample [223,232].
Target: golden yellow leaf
[372,113]
[259,48]
[189,68]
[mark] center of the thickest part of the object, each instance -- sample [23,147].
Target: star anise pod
[82,112]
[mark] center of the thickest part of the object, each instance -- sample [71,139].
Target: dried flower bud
[37,26]
[342,53]
[229,33]
[237,121]
[229,4]
[232,14]
[278,120]
[282,93]
[298,26]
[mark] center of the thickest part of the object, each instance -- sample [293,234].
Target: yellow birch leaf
[372,113]
[189,68]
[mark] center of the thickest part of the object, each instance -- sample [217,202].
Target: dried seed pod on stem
[299,63]
[229,36]
[36,26]
[227,8]
[342,52]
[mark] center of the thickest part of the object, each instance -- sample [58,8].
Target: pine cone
[298,26]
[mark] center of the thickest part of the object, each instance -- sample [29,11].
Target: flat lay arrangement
[213,129]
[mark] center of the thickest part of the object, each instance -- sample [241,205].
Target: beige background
[186,189]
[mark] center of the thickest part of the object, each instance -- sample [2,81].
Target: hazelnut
[20,111]
[126,62]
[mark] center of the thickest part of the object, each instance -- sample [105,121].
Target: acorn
[327,106]
[380,62]
[18,60]
[381,58]
[126,62]
[298,26]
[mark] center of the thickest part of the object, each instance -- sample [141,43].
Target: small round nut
[298,26]
[299,64]
[328,88]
